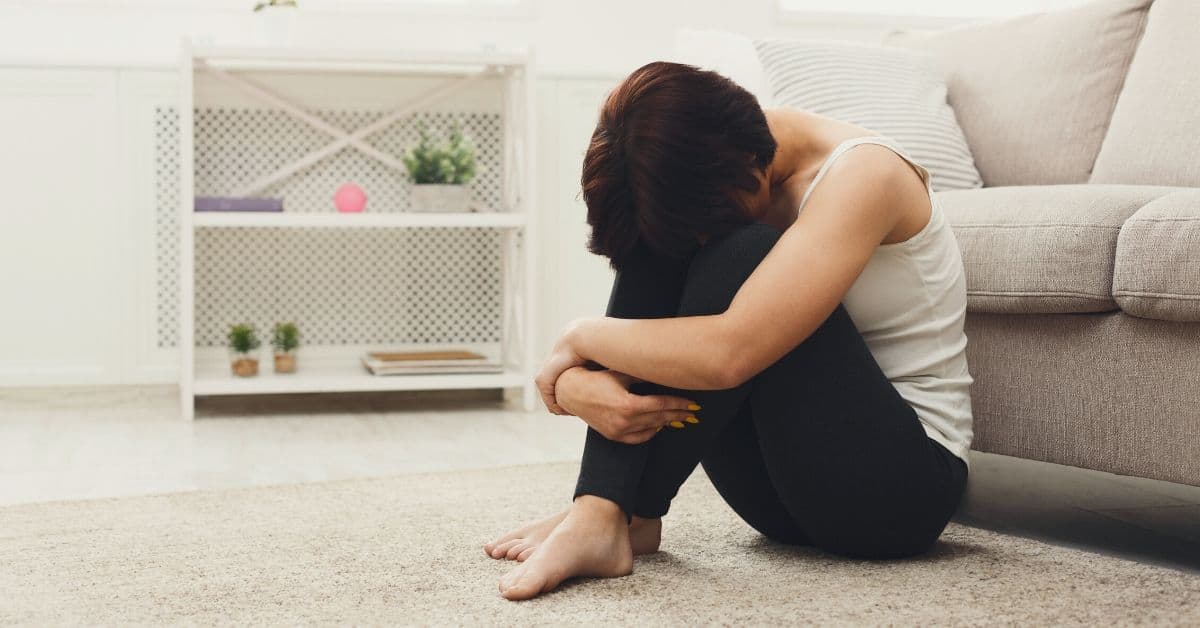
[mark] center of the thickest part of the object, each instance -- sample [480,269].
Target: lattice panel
[351,286]
[166,178]
[356,286]
[237,146]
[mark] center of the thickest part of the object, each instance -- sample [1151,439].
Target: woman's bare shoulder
[875,180]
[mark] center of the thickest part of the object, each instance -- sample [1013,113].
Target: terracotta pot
[285,362]
[244,366]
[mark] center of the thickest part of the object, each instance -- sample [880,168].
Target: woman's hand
[602,399]
[561,358]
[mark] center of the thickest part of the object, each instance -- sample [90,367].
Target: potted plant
[285,338]
[243,345]
[440,172]
[277,20]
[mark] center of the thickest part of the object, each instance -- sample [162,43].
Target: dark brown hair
[673,145]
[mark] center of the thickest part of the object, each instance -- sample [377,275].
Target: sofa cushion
[897,93]
[1041,249]
[1157,269]
[1034,94]
[1154,137]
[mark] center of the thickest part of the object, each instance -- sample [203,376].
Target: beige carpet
[406,550]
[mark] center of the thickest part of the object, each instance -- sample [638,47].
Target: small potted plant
[285,338]
[243,346]
[440,172]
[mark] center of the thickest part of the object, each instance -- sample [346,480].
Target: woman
[788,304]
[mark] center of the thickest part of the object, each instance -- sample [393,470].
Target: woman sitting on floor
[788,305]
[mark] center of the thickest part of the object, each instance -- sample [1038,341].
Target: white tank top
[909,304]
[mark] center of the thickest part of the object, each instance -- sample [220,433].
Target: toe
[507,538]
[510,579]
[525,554]
[524,585]
[516,550]
[501,549]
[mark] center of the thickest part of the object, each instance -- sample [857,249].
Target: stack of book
[238,204]
[428,362]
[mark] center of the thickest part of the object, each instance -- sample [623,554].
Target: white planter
[276,25]
[441,197]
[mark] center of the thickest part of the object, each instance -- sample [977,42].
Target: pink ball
[350,198]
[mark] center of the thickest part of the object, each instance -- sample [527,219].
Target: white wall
[591,37]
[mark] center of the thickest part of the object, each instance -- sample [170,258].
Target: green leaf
[285,336]
[449,161]
[243,337]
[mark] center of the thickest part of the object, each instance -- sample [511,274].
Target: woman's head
[675,149]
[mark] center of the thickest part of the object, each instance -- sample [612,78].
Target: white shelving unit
[336,367]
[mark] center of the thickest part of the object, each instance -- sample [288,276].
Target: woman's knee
[722,265]
[743,247]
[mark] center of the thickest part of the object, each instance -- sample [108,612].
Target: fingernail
[691,419]
[676,424]
[693,407]
[658,430]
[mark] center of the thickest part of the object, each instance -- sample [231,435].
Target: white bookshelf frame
[205,371]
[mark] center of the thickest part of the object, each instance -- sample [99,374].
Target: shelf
[307,75]
[365,219]
[267,56]
[333,369]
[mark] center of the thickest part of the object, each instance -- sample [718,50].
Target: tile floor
[107,442]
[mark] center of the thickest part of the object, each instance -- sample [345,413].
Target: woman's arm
[791,292]
[602,400]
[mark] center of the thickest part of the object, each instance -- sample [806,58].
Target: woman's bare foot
[591,540]
[518,544]
[645,535]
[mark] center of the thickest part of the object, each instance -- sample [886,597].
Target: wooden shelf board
[364,219]
[332,369]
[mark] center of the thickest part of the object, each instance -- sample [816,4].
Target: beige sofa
[1082,250]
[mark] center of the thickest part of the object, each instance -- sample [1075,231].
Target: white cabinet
[141,94]
[64,230]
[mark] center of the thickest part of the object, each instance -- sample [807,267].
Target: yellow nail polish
[691,419]
[676,424]
[693,407]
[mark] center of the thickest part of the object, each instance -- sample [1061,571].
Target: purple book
[235,204]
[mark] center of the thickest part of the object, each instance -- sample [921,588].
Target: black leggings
[817,449]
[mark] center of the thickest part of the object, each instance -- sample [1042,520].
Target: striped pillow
[894,92]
